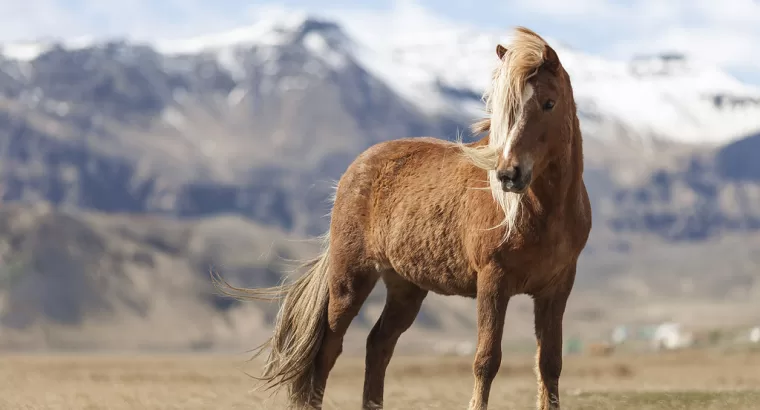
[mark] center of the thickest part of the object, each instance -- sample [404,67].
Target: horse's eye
[548,105]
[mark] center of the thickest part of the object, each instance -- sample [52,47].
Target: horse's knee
[379,337]
[486,365]
[374,338]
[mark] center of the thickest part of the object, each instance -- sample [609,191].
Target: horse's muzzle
[514,179]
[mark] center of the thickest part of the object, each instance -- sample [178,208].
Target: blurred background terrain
[130,168]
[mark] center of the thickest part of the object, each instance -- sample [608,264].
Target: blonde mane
[504,103]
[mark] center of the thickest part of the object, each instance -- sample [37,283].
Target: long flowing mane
[504,102]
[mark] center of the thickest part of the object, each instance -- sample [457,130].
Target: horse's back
[402,146]
[389,159]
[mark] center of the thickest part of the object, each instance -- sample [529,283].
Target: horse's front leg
[549,309]
[492,301]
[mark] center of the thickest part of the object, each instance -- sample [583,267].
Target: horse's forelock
[523,58]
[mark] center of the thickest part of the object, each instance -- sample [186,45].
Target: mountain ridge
[706,104]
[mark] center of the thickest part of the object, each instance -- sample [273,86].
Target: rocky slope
[88,280]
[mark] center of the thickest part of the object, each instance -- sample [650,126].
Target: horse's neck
[561,184]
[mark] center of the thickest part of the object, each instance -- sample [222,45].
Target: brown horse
[505,215]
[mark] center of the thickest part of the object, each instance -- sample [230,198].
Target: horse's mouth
[516,187]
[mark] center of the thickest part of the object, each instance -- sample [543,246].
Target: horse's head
[531,120]
[537,127]
[529,104]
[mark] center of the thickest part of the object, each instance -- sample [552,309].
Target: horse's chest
[556,248]
[542,255]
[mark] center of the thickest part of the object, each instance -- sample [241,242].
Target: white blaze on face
[526,96]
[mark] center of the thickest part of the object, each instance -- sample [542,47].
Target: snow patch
[236,96]
[173,117]
[228,59]
[24,51]
[317,44]
[28,51]
[293,83]
[272,29]
[60,108]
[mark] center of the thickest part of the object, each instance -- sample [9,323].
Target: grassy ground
[687,380]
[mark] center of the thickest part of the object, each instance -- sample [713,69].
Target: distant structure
[619,335]
[659,64]
[671,336]
[572,346]
[451,348]
[600,349]
[754,334]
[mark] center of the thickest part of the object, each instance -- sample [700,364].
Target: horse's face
[537,129]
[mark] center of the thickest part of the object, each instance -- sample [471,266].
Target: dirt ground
[684,380]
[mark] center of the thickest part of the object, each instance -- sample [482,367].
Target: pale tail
[298,330]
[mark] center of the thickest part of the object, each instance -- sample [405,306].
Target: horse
[503,215]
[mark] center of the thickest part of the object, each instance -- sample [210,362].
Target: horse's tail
[298,331]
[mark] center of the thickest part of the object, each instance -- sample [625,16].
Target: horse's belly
[444,277]
[427,251]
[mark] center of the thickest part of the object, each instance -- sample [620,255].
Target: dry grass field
[685,380]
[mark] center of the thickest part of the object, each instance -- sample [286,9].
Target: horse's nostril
[509,174]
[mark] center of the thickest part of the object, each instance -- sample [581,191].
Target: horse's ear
[551,60]
[501,51]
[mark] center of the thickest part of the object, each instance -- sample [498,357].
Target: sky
[721,32]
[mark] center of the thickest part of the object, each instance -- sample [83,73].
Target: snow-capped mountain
[443,69]
[259,120]
[441,66]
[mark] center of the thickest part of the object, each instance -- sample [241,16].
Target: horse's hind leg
[350,285]
[403,302]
